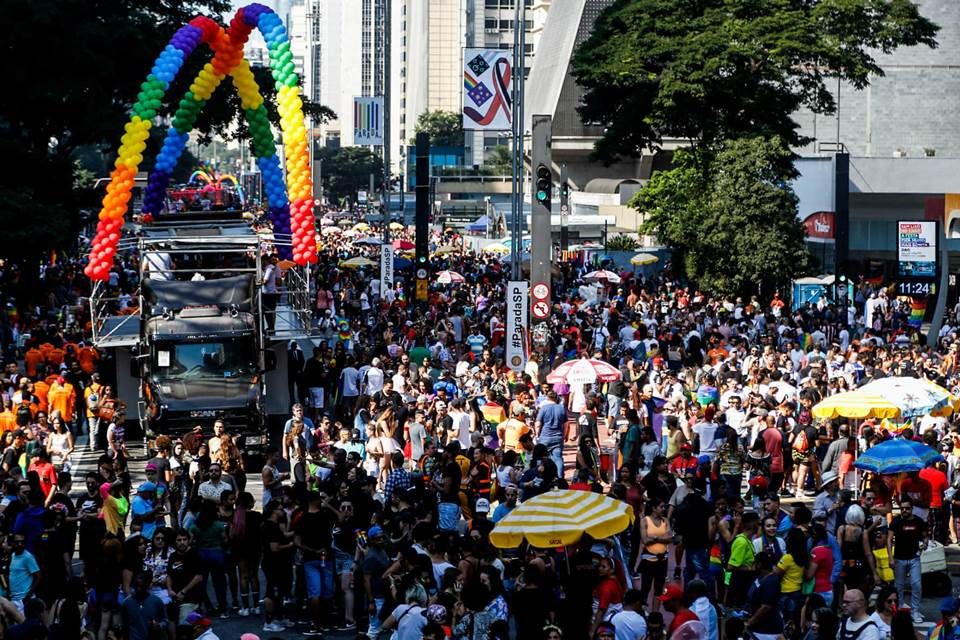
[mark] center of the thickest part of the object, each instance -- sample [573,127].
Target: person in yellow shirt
[62,397]
[91,396]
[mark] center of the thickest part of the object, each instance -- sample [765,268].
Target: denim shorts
[319,578]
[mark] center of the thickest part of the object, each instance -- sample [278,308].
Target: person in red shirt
[684,461]
[938,521]
[46,472]
[607,594]
[773,443]
[673,601]
[919,491]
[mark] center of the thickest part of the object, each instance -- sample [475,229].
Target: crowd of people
[408,440]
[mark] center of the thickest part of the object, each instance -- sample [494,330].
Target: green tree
[445,128]
[712,70]
[347,170]
[500,160]
[730,215]
[621,242]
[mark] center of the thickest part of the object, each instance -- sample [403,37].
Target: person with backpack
[856,624]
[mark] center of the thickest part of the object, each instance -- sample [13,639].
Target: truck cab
[198,347]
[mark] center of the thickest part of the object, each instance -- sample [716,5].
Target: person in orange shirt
[45,349]
[8,419]
[62,397]
[510,431]
[88,357]
[55,357]
[31,359]
[41,389]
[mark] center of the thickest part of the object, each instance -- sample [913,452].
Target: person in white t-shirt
[629,624]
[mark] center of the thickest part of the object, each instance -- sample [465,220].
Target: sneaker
[809,493]
[244,612]
[224,615]
[313,632]
[918,619]
[287,623]
[346,626]
[786,494]
[274,627]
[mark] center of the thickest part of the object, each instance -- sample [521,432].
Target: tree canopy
[347,170]
[730,215]
[711,70]
[445,128]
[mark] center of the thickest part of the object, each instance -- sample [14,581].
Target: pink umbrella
[584,371]
[449,277]
[403,245]
[602,274]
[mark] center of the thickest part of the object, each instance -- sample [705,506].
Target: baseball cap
[482,506]
[374,531]
[197,618]
[146,487]
[672,591]
[950,606]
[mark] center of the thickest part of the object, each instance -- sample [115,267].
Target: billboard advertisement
[368,120]
[917,248]
[486,89]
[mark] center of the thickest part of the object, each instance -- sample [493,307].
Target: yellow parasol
[561,517]
[496,247]
[444,250]
[396,226]
[356,263]
[896,397]
[331,230]
[642,259]
[361,226]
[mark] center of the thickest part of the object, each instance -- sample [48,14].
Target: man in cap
[145,512]
[827,502]
[674,601]
[946,629]
[375,563]
[201,626]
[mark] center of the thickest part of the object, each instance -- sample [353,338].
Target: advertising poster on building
[517,293]
[917,248]
[368,120]
[486,89]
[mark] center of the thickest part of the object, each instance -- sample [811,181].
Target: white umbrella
[449,277]
[584,371]
[602,274]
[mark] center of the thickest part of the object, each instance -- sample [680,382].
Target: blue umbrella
[897,456]
[402,263]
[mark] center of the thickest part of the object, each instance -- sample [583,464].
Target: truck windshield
[205,360]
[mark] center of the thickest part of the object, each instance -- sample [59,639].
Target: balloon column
[290,201]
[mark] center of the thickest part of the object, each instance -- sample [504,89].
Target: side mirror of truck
[269,360]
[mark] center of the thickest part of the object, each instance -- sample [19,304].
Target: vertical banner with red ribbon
[487,76]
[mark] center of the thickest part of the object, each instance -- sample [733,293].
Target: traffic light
[544,185]
[564,190]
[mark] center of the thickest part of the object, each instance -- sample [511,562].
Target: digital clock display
[916,288]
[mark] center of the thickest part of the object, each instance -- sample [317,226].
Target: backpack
[24,415]
[852,635]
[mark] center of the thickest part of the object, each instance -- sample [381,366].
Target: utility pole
[541,240]
[517,168]
[386,120]
[564,209]
[422,217]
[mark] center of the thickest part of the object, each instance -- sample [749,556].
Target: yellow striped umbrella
[856,404]
[560,518]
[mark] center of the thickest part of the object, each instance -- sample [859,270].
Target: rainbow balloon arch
[290,201]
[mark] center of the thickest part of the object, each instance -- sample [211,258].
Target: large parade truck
[195,343]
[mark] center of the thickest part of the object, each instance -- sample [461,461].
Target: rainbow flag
[918,307]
